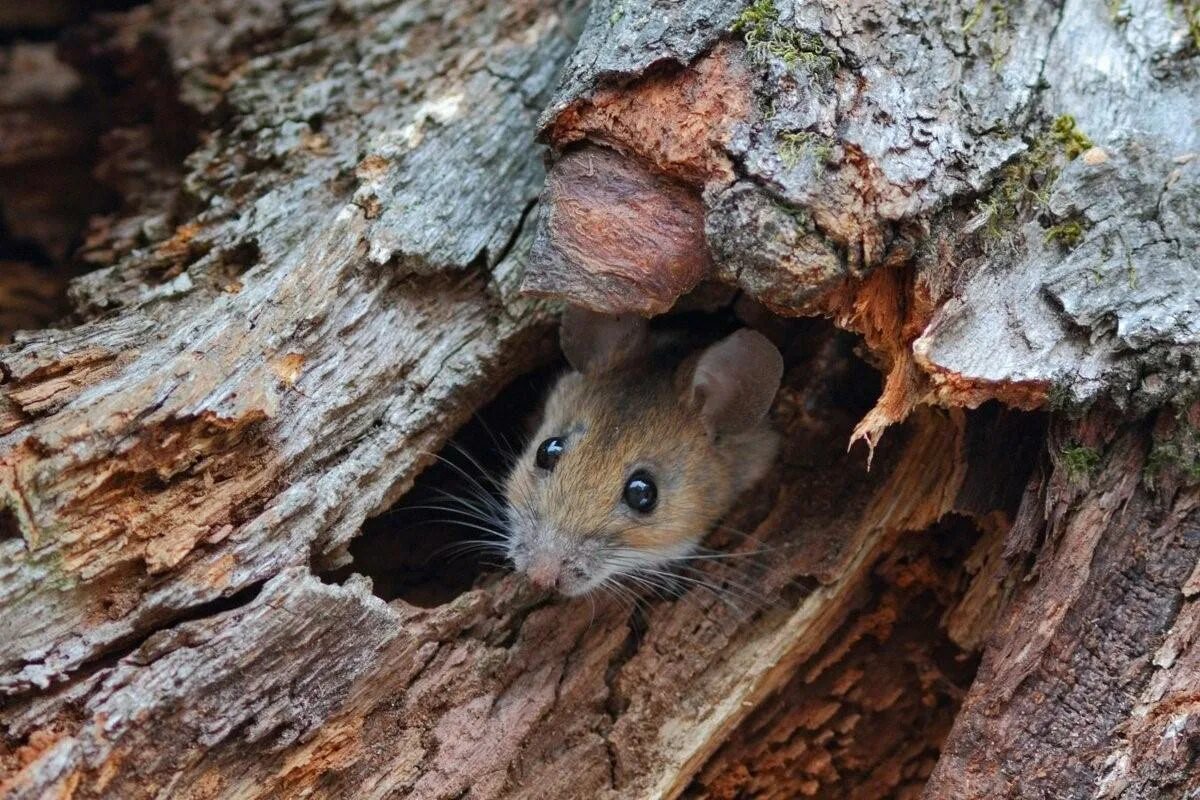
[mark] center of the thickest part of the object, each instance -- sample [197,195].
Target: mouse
[643,445]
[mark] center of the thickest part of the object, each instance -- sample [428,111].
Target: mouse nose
[544,572]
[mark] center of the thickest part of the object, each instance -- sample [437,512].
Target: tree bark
[308,277]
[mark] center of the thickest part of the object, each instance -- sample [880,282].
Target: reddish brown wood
[640,235]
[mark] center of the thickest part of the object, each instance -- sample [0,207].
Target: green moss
[1180,455]
[1068,233]
[1161,458]
[999,14]
[1022,187]
[1059,397]
[1171,456]
[1081,462]
[1024,184]
[1000,25]
[1191,15]
[794,146]
[976,14]
[756,19]
[767,38]
[1066,132]
[1119,11]
[800,215]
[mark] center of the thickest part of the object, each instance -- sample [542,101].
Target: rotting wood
[634,229]
[499,690]
[1001,200]
[1089,683]
[156,462]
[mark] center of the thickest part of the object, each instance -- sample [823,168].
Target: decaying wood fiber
[306,229]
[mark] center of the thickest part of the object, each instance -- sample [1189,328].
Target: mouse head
[637,456]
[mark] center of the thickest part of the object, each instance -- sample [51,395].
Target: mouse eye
[548,452]
[640,492]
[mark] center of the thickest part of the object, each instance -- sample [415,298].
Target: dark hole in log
[99,128]
[419,550]
[9,529]
[1002,446]
[44,21]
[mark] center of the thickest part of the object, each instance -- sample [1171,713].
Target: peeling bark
[1088,687]
[633,229]
[861,129]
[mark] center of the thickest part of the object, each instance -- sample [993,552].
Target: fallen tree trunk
[285,325]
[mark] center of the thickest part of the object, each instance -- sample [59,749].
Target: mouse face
[634,462]
[617,479]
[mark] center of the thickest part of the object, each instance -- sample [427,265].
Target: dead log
[309,282]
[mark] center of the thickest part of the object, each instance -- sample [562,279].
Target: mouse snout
[545,571]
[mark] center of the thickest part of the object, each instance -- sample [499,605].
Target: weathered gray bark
[286,323]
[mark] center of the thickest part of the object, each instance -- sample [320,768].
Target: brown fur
[570,524]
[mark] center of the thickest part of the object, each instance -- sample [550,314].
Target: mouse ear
[735,381]
[595,343]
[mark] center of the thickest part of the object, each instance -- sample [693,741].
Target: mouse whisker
[757,551]
[721,593]
[724,595]
[742,590]
[610,594]
[464,524]
[464,548]
[466,475]
[481,505]
[632,566]
[741,534]
[483,471]
[592,603]
[447,510]
[725,588]
[503,445]
[756,557]
[471,492]
[623,592]
[717,556]
[645,582]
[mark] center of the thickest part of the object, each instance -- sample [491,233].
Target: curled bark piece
[616,237]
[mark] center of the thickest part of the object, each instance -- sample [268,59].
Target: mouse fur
[695,422]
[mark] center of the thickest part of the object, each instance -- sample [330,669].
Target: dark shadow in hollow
[9,528]
[417,552]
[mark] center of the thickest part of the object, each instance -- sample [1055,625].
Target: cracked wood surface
[1088,688]
[1002,200]
[283,326]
